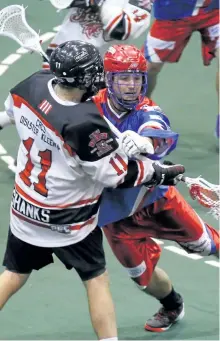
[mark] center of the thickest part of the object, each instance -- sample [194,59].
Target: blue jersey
[178,9]
[147,120]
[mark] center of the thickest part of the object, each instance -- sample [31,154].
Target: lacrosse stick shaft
[113,128]
[182,178]
[195,181]
[43,54]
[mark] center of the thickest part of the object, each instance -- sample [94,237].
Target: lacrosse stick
[61,4]
[13,24]
[206,193]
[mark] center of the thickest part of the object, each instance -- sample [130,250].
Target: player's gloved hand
[133,144]
[166,174]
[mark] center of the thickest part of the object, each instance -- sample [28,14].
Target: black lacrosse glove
[165,174]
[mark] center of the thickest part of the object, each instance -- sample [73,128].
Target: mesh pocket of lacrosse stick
[207,194]
[13,24]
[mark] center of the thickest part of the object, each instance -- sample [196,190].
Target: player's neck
[117,107]
[72,95]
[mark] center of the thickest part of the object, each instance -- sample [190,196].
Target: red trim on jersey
[35,202]
[34,222]
[18,101]
[113,22]
[79,226]
[86,201]
[100,98]
[141,172]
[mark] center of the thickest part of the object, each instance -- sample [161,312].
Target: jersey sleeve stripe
[141,173]
[150,124]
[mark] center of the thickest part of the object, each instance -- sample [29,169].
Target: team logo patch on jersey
[100,143]
[89,21]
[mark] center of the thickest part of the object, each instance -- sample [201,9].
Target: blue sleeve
[156,125]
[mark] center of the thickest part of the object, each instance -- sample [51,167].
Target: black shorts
[87,257]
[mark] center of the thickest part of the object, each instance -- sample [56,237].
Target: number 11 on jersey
[45,161]
[118,164]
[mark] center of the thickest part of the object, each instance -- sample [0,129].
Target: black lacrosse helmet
[78,64]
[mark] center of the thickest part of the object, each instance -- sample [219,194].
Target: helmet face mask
[126,75]
[77,64]
[127,89]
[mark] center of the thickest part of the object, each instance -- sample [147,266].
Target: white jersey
[84,23]
[80,24]
[66,157]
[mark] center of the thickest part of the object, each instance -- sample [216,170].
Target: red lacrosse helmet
[124,58]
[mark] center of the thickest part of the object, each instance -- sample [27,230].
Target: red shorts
[136,252]
[167,39]
[172,218]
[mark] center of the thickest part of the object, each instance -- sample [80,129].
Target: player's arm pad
[121,23]
[156,125]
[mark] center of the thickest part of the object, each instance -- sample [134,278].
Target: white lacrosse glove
[133,144]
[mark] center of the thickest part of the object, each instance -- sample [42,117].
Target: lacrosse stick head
[207,194]
[13,24]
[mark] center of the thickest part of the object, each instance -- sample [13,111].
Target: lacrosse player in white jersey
[67,156]
[100,22]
